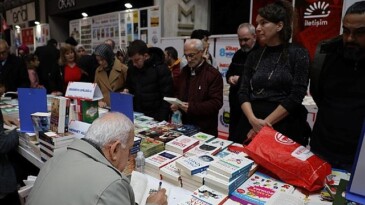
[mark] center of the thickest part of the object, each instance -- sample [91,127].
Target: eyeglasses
[355,32]
[191,55]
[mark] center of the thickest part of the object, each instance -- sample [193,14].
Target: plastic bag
[291,162]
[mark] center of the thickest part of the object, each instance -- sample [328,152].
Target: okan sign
[64,4]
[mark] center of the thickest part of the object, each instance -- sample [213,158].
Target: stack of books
[52,144]
[87,111]
[228,173]
[190,169]
[154,163]
[150,146]
[181,144]
[171,174]
[60,112]
[259,188]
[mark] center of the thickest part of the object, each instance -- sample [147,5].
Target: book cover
[187,130]
[181,144]
[232,165]
[170,171]
[194,164]
[220,142]
[41,122]
[60,109]
[203,149]
[202,137]
[123,103]
[259,188]
[207,195]
[161,159]
[173,101]
[87,110]
[150,146]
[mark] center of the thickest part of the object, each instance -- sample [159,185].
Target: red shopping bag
[290,161]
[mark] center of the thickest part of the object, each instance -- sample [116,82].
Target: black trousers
[11,199]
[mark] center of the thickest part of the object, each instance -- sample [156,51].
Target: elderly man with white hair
[89,172]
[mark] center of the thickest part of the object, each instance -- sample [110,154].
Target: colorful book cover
[202,137]
[195,164]
[258,189]
[232,165]
[206,195]
[181,144]
[87,110]
[41,122]
[161,159]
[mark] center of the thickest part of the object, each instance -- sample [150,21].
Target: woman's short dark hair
[280,10]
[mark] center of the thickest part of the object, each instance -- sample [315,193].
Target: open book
[173,101]
[143,186]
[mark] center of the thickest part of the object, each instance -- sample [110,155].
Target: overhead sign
[21,14]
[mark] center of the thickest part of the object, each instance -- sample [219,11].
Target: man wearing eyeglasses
[338,88]
[13,73]
[201,90]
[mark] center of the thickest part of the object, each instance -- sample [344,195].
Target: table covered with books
[195,167]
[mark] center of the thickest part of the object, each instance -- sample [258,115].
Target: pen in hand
[159,186]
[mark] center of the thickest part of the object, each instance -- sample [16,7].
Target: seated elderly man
[89,172]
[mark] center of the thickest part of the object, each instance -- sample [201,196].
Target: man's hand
[158,198]
[184,107]
[233,79]
[10,121]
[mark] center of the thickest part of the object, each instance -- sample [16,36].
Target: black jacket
[48,57]
[150,84]
[14,74]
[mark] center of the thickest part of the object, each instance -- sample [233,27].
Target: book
[54,138]
[259,188]
[281,198]
[150,146]
[206,195]
[161,159]
[225,187]
[202,137]
[55,145]
[232,166]
[60,110]
[41,122]
[203,149]
[181,144]
[123,103]
[171,174]
[187,130]
[220,142]
[173,101]
[194,164]
[87,111]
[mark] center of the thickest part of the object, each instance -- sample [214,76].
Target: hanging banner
[317,21]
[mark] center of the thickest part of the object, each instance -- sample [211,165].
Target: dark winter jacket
[150,84]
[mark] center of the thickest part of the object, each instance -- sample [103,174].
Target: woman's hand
[257,124]
[102,104]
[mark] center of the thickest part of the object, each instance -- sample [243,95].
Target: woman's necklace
[272,71]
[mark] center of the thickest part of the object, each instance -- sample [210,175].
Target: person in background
[100,157]
[8,182]
[247,39]
[110,75]
[122,55]
[275,78]
[149,80]
[201,90]
[32,63]
[68,70]
[338,88]
[111,43]
[23,51]
[71,41]
[48,56]
[203,35]
[174,65]
[13,72]
[80,50]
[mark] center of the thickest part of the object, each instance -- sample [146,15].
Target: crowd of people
[268,79]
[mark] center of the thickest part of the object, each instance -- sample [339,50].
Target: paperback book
[60,110]
[194,164]
[161,159]
[181,144]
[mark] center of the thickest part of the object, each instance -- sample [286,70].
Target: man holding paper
[201,90]
[89,172]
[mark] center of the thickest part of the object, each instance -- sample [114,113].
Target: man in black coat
[8,183]
[48,56]
[247,39]
[149,80]
[13,72]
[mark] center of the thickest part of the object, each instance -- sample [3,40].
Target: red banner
[317,20]
[27,36]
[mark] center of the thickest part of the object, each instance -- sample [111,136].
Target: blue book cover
[123,103]
[31,100]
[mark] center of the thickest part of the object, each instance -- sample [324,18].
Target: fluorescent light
[36,22]
[84,14]
[128,5]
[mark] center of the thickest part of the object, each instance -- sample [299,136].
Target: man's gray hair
[111,126]
[198,44]
[250,27]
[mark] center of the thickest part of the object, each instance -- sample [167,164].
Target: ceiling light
[84,14]
[17,26]
[128,5]
[36,22]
